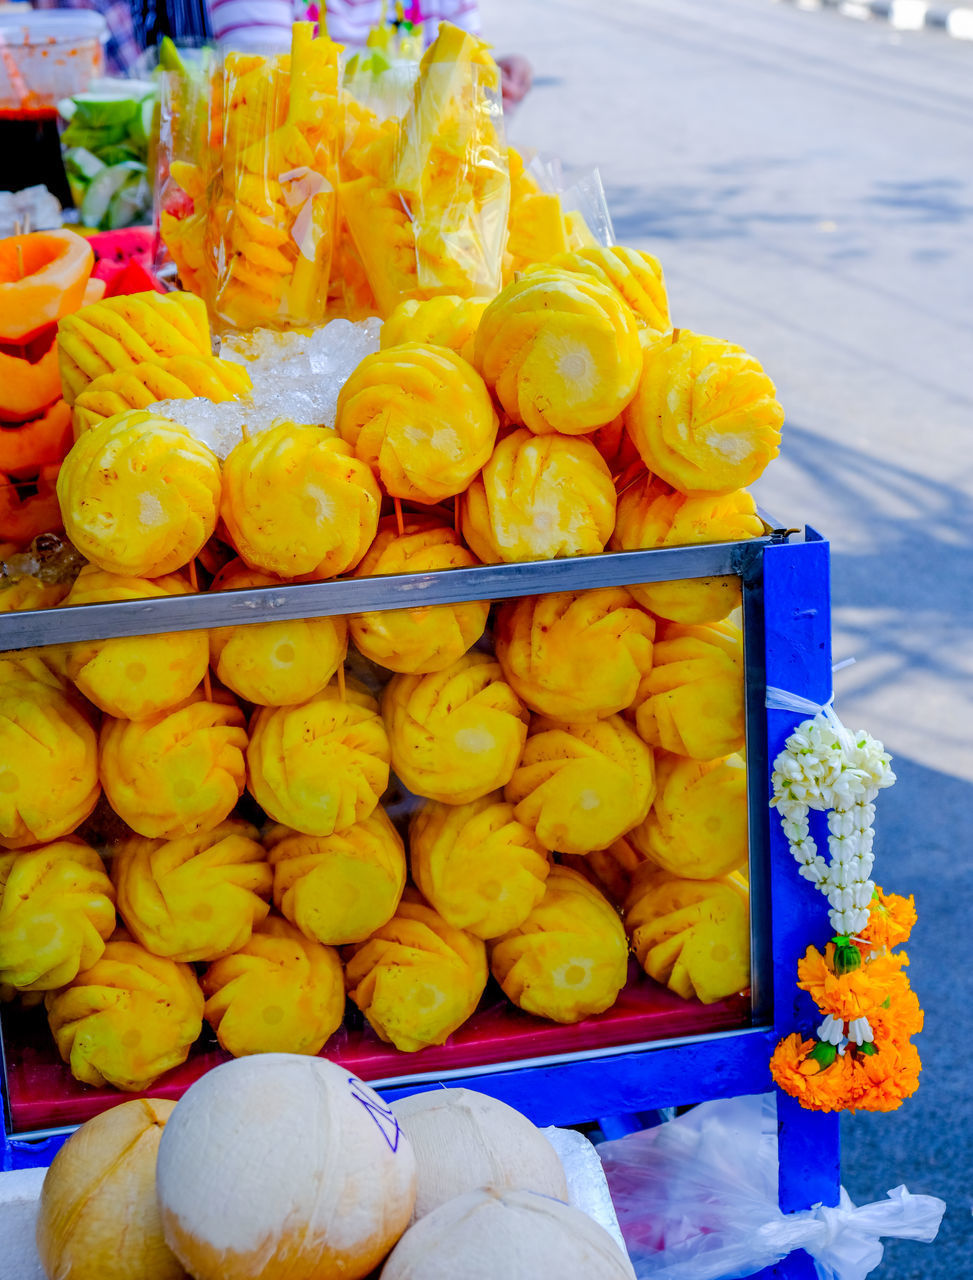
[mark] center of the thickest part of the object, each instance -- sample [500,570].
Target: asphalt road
[805,180]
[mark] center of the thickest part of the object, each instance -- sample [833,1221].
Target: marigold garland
[861,1057]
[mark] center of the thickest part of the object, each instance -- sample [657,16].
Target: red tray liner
[43,1094]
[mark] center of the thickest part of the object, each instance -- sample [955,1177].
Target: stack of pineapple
[393,805]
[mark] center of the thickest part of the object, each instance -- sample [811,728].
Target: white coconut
[515,1234]
[281,1165]
[97,1218]
[464,1140]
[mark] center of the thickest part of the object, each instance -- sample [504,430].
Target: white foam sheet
[19,1196]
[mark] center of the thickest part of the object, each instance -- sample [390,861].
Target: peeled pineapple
[115,332]
[280,992]
[561,351]
[581,786]
[197,897]
[128,1018]
[691,935]
[417,979]
[698,824]
[339,888]
[319,766]
[57,910]
[705,418]
[569,958]
[479,867]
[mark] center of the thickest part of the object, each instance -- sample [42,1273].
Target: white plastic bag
[696,1199]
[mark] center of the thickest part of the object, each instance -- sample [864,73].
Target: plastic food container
[47,56]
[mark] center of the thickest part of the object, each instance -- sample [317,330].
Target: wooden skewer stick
[675,336]
[341,681]
[399,522]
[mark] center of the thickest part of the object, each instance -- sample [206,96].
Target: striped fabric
[256,22]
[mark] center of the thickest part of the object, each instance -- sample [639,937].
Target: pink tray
[43,1094]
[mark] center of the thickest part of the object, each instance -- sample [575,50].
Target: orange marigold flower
[883,1080]
[890,922]
[856,994]
[903,1017]
[786,1065]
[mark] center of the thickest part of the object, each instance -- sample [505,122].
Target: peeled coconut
[515,1234]
[98,1218]
[464,1140]
[283,1166]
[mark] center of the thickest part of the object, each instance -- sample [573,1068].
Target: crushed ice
[296,376]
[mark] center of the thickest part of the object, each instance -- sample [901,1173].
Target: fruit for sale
[691,702]
[633,274]
[29,381]
[652,514]
[324,1180]
[134,677]
[539,498]
[446,321]
[128,1019]
[421,418]
[319,766]
[48,764]
[177,772]
[339,888]
[537,229]
[331,512]
[27,446]
[139,494]
[195,898]
[480,868]
[280,992]
[104,1175]
[28,503]
[698,824]
[516,1234]
[569,958]
[705,418]
[560,350]
[30,592]
[134,329]
[136,386]
[465,1140]
[417,979]
[455,734]
[275,664]
[609,870]
[581,786]
[423,638]
[43,276]
[691,935]
[57,910]
[575,655]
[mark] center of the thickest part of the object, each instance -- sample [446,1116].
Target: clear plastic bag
[425,182]
[696,1199]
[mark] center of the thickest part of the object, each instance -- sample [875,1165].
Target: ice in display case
[652,1048]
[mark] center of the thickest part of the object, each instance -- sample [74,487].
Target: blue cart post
[788,645]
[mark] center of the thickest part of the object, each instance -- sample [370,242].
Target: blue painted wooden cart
[788,645]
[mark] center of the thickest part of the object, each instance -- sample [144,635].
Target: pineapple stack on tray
[246,826]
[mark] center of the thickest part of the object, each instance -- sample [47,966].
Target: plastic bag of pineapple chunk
[274,210]
[425,194]
[190,145]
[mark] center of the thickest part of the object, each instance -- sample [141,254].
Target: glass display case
[657,1043]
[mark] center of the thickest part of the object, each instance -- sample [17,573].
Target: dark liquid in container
[31,150]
